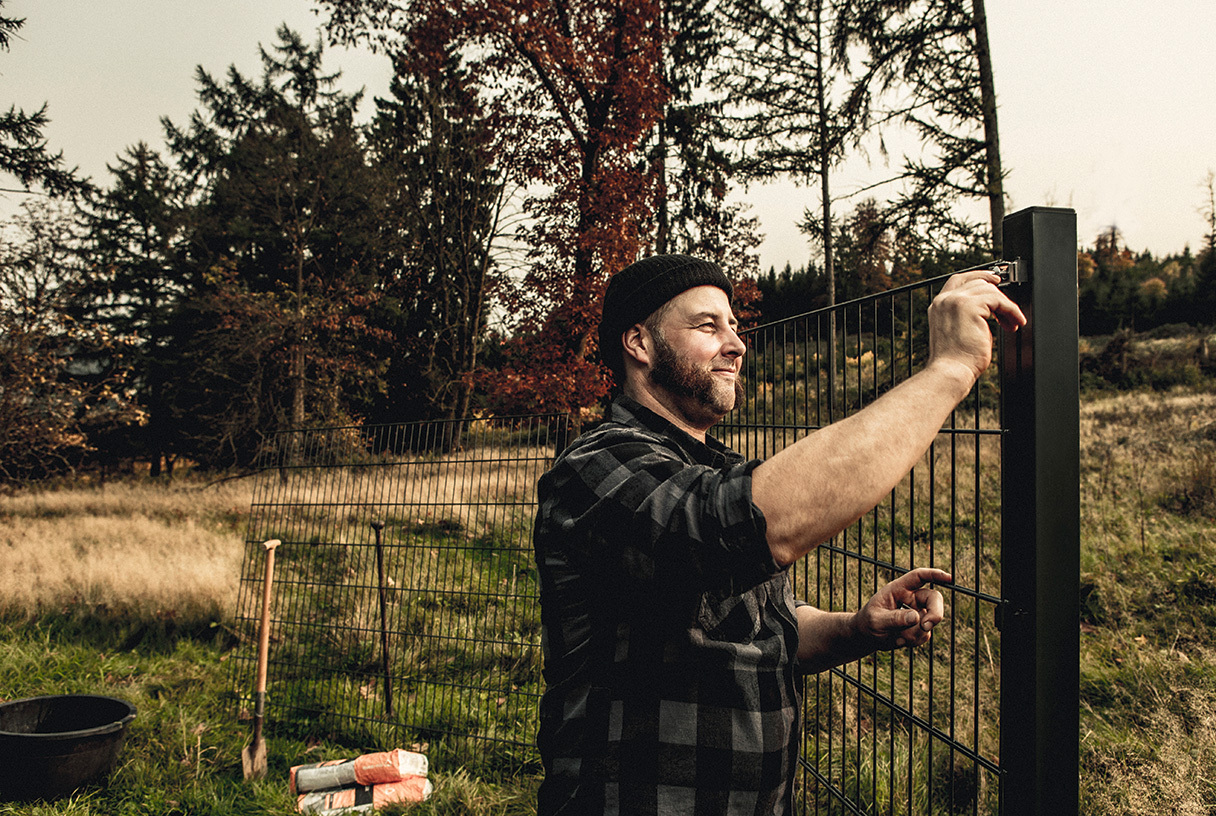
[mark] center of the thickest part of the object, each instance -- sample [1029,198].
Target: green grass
[464,641]
[183,751]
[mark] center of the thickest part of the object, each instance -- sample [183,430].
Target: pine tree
[134,282]
[284,242]
[935,55]
[24,152]
[797,107]
[690,155]
[439,161]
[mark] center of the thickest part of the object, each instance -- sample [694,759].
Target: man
[672,641]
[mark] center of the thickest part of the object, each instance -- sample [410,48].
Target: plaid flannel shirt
[669,630]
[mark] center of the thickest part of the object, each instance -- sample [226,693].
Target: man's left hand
[904,612]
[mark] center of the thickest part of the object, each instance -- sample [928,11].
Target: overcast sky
[1106,106]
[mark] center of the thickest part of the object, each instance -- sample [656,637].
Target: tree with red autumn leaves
[577,86]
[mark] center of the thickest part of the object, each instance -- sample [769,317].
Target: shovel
[253,758]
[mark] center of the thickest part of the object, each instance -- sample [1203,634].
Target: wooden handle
[264,628]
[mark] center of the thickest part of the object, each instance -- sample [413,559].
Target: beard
[692,383]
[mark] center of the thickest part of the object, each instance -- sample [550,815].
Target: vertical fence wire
[906,732]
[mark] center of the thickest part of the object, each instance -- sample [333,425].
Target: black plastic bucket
[50,746]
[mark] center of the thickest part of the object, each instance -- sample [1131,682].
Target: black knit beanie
[639,289]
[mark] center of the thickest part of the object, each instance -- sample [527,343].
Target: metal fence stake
[1041,522]
[378,526]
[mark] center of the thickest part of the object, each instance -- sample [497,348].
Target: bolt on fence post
[1040,527]
[378,526]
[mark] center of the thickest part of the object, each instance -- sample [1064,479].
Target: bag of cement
[369,769]
[364,798]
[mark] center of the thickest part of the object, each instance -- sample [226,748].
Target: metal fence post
[1040,551]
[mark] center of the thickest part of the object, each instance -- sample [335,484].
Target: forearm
[828,639]
[814,489]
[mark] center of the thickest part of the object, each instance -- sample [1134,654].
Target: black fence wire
[912,731]
[405,608]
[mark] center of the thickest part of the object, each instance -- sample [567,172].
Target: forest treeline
[1119,291]
[295,255]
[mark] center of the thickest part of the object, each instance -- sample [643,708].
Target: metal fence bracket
[1015,271]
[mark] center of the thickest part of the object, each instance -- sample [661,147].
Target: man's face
[697,356]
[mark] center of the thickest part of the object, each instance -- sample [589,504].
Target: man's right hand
[959,334]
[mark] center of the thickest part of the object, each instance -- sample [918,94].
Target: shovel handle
[264,638]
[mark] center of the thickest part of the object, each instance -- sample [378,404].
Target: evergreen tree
[438,158]
[133,284]
[791,292]
[690,158]
[55,402]
[23,151]
[935,56]
[796,107]
[284,242]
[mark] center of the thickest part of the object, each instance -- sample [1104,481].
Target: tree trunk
[297,357]
[825,194]
[992,143]
[662,215]
[825,157]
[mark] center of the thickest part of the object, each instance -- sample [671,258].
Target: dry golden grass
[172,501]
[1143,455]
[1165,762]
[143,548]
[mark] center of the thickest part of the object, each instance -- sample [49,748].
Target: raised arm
[814,489]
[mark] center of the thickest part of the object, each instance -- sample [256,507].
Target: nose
[734,346]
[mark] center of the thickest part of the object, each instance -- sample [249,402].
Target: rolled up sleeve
[640,506]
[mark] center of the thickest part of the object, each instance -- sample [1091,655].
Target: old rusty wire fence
[404,609]
[405,605]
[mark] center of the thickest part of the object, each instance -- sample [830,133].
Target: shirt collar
[628,411]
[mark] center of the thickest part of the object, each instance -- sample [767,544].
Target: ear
[637,344]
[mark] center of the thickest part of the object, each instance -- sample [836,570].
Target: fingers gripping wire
[1015,271]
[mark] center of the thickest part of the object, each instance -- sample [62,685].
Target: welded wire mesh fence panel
[905,732]
[404,602]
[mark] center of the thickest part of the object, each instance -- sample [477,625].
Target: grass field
[128,590]
[1148,601]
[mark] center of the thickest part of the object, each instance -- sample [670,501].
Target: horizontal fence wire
[911,731]
[404,608]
